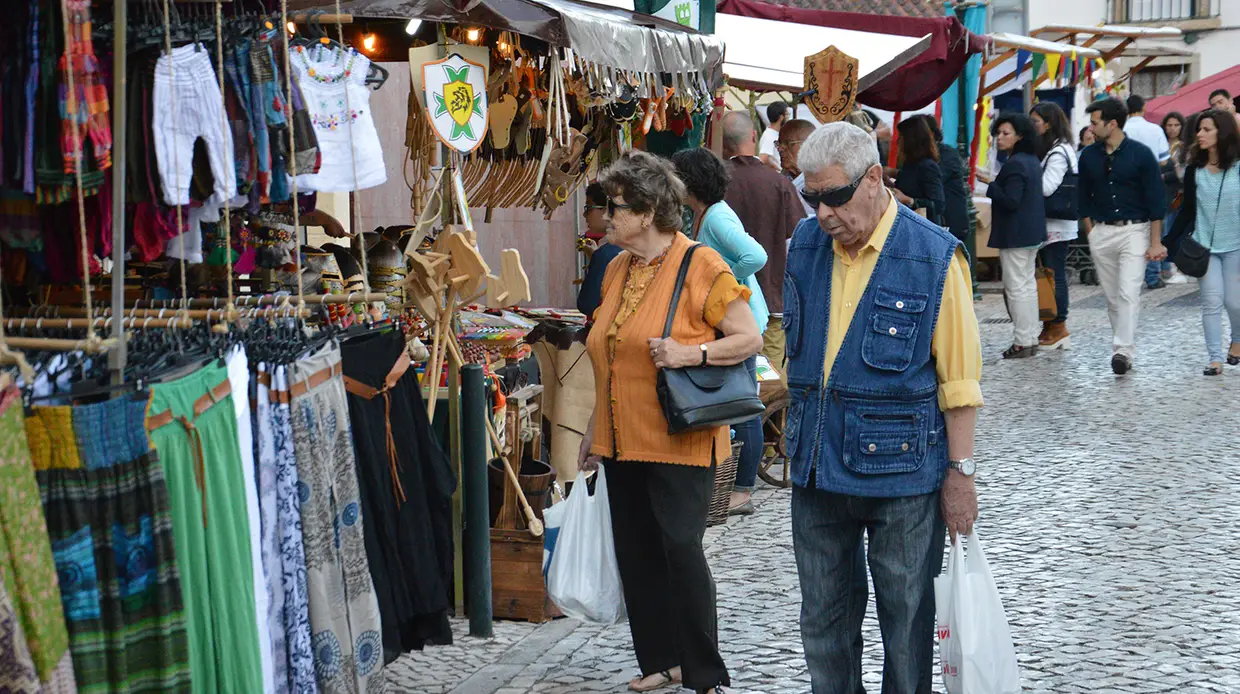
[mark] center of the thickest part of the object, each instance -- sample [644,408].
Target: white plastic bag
[583,578]
[975,645]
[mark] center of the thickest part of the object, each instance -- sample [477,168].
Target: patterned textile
[25,553]
[344,610]
[111,531]
[269,538]
[111,432]
[292,549]
[53,443]
[17,673]
[91,94]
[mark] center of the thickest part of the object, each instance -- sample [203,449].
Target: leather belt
[201,405]
[314,380]
[367,392]
[1125,222]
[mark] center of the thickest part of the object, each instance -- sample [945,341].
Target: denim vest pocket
[888,344]
[792,317]
[884,437]
[792,424]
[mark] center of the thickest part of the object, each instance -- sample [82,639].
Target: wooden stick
[48,344]
[535,525]
[82,323]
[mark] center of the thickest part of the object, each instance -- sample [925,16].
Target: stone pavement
[1109,515]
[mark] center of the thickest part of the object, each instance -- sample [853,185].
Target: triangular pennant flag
[1052,66]
[1039,62]
[1076,69]
[1022,57]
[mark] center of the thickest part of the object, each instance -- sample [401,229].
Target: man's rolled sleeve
[956,345]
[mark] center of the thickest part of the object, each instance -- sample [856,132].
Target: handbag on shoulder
[1062,203]
[704,397]
[1193,259]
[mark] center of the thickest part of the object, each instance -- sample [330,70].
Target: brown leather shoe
[1055,337]
[1046,326]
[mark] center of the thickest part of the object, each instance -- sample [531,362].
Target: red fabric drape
[914,85]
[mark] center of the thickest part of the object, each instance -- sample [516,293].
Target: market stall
[236,426]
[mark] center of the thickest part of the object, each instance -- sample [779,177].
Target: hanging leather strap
[201,405]
[680,284]
[367,392]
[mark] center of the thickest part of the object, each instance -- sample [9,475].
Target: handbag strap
[680,284]
[1218,204]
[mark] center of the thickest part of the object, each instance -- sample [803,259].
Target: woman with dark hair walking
[1211,215]
[1173,126]
[1059,172]
[717,226]
[919,183]
[1018,227]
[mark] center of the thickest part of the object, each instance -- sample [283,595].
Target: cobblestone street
[1110,512]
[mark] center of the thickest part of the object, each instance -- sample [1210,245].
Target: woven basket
[725,478]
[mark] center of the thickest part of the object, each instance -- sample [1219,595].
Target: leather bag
[1048,308]
[704,397]
[1193,259]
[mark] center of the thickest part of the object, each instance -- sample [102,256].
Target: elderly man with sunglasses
[884,365]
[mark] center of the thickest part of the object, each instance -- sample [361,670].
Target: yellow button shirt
[956,345]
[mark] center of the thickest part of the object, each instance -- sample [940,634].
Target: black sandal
[668,681]
[1212,370]
[1018,352]
[1233,359]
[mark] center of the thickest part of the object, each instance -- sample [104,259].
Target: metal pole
[120,20]
[477,507]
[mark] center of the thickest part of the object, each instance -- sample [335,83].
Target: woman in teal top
[717,226]
[1212,186]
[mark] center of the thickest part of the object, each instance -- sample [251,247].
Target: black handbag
[1193,259]
[1062,203]
[704,397]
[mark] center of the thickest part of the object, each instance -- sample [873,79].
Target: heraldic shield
[456,101]
[831,83]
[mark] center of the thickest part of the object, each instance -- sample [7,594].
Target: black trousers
[658,517]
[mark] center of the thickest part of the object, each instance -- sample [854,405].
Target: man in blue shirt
[1122,202]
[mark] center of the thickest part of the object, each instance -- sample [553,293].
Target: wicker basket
[725,478]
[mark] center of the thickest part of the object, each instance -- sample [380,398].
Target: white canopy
[1028,43]
[764,54]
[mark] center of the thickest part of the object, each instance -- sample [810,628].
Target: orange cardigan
[628,421]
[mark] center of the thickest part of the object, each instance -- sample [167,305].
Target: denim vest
[876,430]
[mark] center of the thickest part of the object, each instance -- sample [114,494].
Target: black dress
[408,529]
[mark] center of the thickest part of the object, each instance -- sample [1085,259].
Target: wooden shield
[831,81]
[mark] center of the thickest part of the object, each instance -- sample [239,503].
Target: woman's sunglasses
[836,197]
[612,206]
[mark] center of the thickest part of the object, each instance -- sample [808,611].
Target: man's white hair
[839,144]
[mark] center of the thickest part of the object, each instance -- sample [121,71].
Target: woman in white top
[1058,161]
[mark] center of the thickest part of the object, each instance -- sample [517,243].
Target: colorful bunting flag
[1053,62]
[1039,62]
[1022,57]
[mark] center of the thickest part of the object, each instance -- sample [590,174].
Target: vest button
[899,304]
[873,448]
[891,331]
[904,446]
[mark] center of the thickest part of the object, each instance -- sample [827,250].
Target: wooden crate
[517,588]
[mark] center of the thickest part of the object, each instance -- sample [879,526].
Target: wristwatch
[703,347]
[965,467]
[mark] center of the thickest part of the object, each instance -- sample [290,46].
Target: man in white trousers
[1122,203]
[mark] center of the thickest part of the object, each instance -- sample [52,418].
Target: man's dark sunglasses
[836,197]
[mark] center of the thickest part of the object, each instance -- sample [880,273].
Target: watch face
[967,466]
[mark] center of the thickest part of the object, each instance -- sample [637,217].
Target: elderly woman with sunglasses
[884,396]
[660,484]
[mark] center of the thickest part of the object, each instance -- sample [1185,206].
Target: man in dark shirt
[770,208]
[1122,205]
[591,292]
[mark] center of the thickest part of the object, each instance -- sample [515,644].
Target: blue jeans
[750,434]
[1155,268]
[1055,257]
[905,554]
[1220,289]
